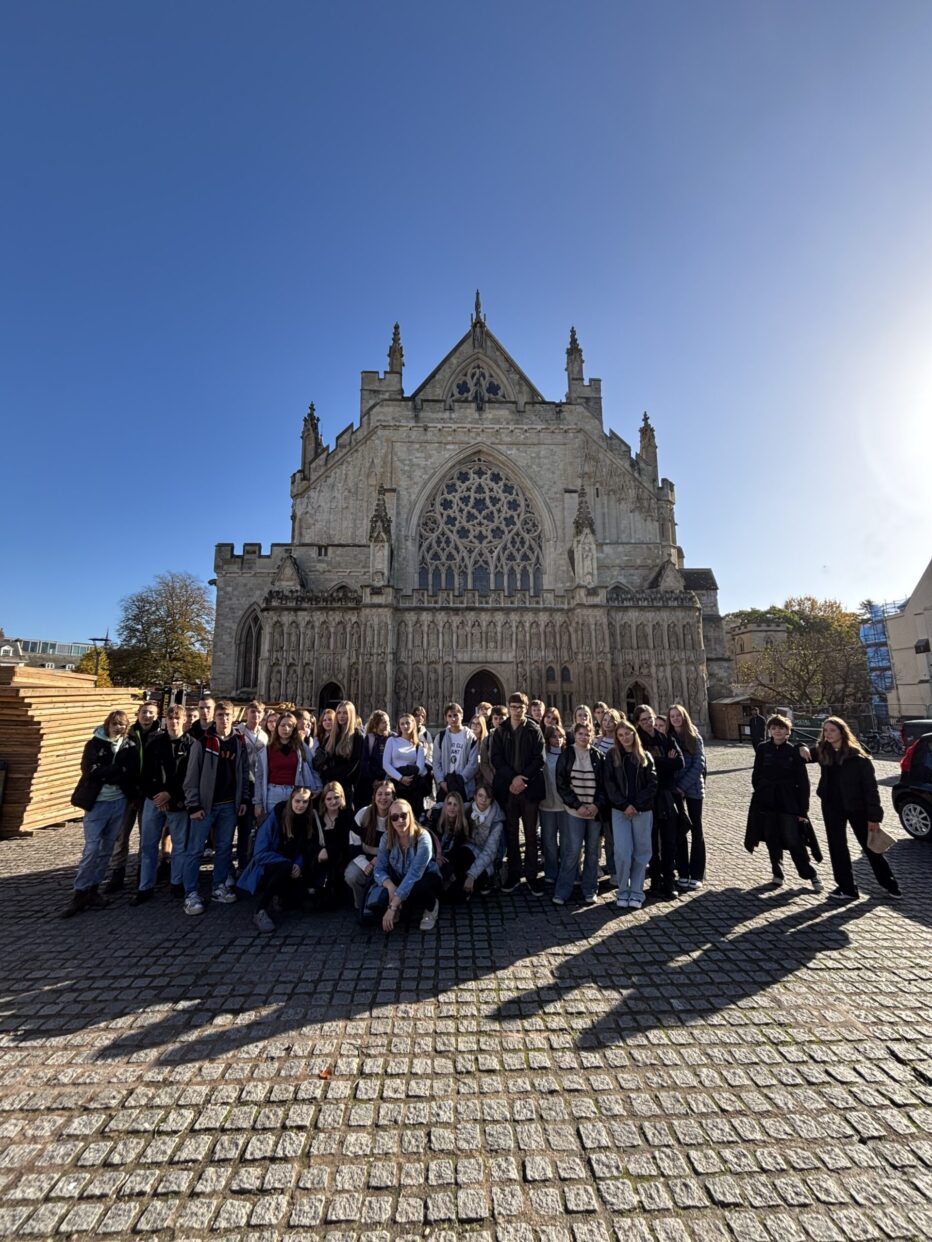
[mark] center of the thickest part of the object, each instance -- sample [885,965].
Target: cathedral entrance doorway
[330,696]
[635,696]
[483,685]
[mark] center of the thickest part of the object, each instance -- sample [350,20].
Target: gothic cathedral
[466,540]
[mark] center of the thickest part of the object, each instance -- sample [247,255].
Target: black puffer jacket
[853,786]
[616,784]
[164,764]
[780,780]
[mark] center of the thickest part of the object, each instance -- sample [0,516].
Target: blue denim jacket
[405,867]
[690,780]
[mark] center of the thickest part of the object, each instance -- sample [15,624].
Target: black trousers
[519,807]
[455,871]
[422,897]
[664,836]
[798,852]
[277,881]
[836,830]
[690,850]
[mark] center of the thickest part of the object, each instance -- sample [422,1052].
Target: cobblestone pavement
[742,1063]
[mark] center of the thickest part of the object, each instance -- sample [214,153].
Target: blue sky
[214,213]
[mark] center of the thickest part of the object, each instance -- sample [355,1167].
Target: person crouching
[407,880]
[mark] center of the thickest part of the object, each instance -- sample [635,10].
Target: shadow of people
[688,965]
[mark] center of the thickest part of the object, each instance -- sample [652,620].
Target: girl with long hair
[283,765]
[487,840]
[456,853]
[370,824]
[325,725]
[668,762]
[480,727]
[288,844]
[690,794]
[405,761]
[340,757]
[630,785]
[848,792]
[336,818]
[407,879]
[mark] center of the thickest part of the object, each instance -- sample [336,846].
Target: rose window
[479,533]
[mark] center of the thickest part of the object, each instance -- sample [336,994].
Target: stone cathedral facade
[466,539]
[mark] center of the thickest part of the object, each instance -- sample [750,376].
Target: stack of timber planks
[46,716]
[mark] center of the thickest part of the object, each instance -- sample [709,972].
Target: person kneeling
[289,844]
[406,878]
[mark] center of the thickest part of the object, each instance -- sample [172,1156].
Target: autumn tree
[164,633]
[99,658]
[822,664]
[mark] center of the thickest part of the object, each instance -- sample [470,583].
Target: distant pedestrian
[757,727]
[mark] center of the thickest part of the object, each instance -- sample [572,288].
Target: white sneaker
[224,895]
[622,903]
[635,903]
[429,917]
[193,904]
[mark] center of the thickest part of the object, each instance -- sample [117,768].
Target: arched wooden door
[330,696]
[483,685]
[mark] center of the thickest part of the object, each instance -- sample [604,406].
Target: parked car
[910,730]
[912,794]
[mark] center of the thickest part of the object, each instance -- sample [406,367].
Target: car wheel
[916,818]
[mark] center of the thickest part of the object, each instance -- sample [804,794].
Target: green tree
[821,664]
[164,633]
[87,662]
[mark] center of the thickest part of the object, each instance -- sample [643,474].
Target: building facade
[909,636]
[747,641]
[466,539]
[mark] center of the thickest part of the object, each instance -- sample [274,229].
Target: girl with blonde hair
[339,758]
[407,879]
[630,785]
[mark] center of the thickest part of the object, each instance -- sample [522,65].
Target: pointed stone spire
[477,319]
[380,543]
[396,355]
[380,525]
[648,438]
[574,358]
[584,519]
[313,443]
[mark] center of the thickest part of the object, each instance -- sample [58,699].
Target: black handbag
[86,793]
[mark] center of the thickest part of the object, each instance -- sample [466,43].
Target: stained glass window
[479,532]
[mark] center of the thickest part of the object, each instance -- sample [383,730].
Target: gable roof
[478,342]
[699,580]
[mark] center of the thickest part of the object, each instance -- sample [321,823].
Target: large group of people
[298,811]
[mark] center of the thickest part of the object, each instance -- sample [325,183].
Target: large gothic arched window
[479,532]
[250,648]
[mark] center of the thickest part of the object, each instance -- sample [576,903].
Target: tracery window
[250,648]
[478,385]
[480,533]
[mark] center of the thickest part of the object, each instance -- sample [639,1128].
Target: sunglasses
[398,816]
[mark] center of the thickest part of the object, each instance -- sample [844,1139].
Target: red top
[283,766]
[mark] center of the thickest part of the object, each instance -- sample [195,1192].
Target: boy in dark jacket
[779,808]
[216,785]
[517,755]
[164,766]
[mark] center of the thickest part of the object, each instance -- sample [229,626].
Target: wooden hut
[46,716]
[729,716]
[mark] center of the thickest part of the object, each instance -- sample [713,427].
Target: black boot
[143,895]
[95,901]
[77,903]
[116,881]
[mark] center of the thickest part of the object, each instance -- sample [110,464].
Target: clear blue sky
[213,213]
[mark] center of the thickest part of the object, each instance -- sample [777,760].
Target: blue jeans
[551,829]
[150,838]
[632,851]
[577,833]
[223,821]
[102,825]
